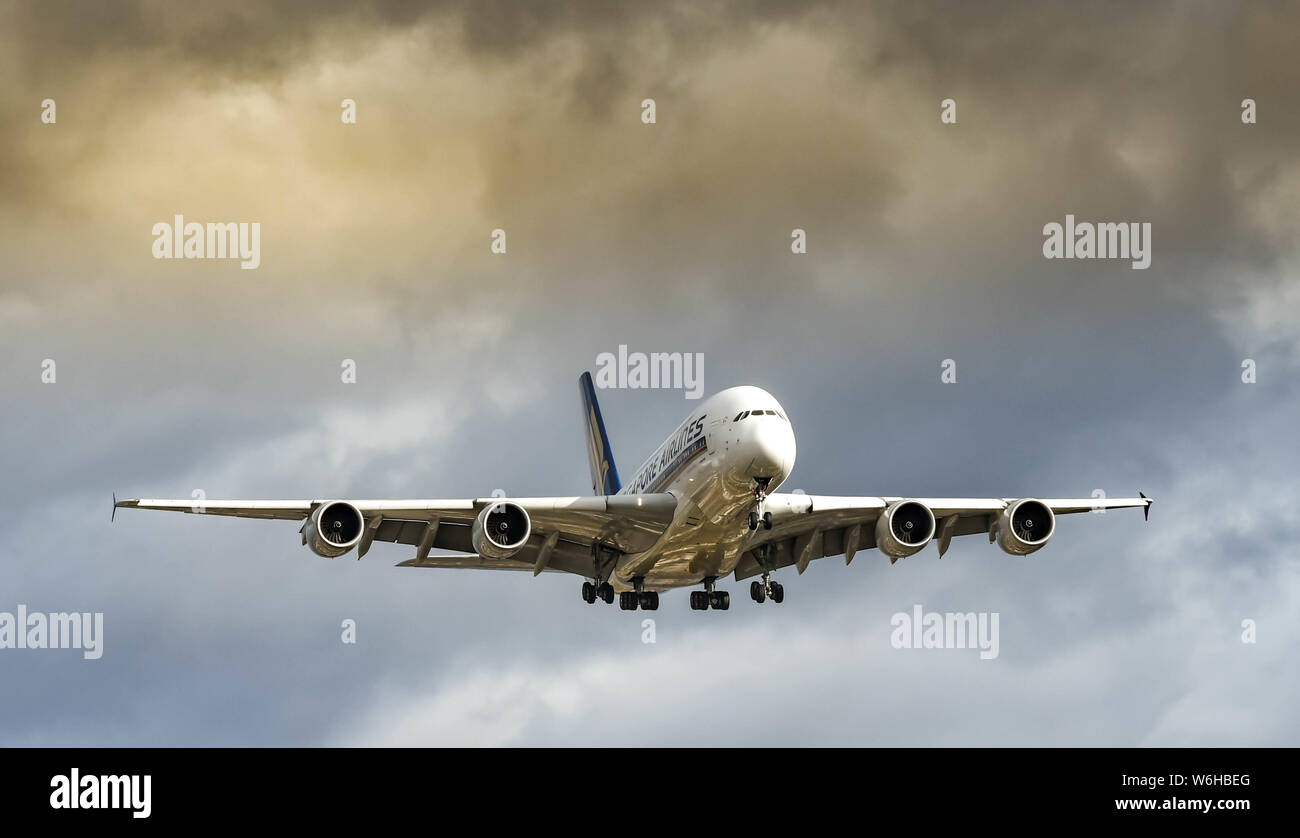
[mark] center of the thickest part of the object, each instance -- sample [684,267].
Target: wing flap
[471,560]
[563,556]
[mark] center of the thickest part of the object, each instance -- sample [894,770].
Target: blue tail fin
[604,475]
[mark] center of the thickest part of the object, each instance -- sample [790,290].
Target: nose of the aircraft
[771,447]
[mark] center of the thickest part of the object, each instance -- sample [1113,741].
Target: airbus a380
[701,508]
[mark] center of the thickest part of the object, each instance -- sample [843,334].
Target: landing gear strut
[761,591]
[760,515]
[709,598]
[596,589]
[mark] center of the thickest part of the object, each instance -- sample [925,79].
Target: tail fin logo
[604,474]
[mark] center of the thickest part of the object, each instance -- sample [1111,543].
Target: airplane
[702,507]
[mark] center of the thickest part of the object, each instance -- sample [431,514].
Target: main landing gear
[627,601]
[596,589]
[766,589]
[709,598]
[760,515]
[646,600]
[592,591]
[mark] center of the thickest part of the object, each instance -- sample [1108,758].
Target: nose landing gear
[760,515]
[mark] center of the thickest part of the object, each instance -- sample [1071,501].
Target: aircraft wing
[809,527]
[564,532]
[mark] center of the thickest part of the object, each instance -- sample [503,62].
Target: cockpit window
[782,415]
[741,415]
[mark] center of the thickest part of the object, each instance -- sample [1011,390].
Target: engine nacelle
[501,530]
[333,529]
[904,528]
[1024,526]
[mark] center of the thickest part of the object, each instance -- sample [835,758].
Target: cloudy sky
[924,244]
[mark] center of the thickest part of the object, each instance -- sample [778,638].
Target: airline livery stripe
[676,465]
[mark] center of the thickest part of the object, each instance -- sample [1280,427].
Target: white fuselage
[710,465]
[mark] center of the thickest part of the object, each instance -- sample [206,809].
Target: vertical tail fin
[604,475]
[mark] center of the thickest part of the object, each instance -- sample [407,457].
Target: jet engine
[904,528]
[1024,526]
[333,529]
[501,530]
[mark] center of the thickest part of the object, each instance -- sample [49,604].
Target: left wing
[566,534]
[808,527]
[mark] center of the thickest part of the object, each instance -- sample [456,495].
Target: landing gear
[592,591]
[647,600]
[596,589]
[638,598]
[766,589]
[709,598]
[760,515]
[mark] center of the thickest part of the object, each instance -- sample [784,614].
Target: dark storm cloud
[248,39]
